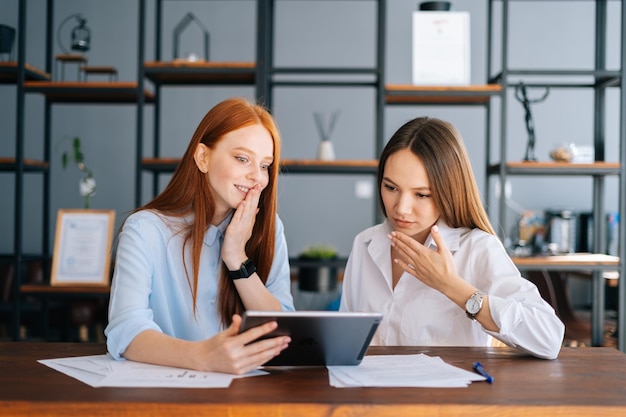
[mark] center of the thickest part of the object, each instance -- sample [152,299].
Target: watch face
[473,306]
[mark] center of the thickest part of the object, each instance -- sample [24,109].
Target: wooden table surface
[581,382]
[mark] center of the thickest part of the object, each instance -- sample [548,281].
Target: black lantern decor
[80,42]
[81,34]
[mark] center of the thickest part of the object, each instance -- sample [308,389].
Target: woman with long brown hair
[434,267]
[206,249]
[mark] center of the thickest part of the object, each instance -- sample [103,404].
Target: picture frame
[82,247]
[441,48]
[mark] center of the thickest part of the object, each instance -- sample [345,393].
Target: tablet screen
[318,337]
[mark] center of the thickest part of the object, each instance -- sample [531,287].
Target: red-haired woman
[209,247]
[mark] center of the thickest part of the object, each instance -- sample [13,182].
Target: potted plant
[87,184]
[317,272]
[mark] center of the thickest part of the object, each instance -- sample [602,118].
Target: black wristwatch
[247,268]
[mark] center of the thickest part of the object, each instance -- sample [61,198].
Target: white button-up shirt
[415,314]
[150,289]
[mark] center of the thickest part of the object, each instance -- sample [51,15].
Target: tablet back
[318,337]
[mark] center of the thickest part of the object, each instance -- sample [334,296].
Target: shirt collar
[451,236]
[217,232]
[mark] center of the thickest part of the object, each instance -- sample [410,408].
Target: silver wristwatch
[474,304]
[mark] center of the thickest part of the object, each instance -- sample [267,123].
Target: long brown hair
[188,192]
[440,147]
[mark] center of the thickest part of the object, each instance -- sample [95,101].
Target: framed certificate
[82,247]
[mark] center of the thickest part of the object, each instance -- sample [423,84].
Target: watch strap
[245,271]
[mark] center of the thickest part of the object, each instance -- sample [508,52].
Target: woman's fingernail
[436,229]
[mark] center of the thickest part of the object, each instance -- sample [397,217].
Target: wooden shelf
[418,94]
[87,91]
[543,77]
[105,70]
[71,58]
[9,70]
[557,168]
[79,290]
[30,165]
[570,262]
[316,263]
[304,166]
[185,72]
[294,166]
[159,164]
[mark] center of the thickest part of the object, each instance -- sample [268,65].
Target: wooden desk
[581,382]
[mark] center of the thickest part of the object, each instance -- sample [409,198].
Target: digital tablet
[318,338]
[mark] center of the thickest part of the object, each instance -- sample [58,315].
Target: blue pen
[479,368]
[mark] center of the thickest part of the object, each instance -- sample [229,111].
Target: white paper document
[401,371]
[104,371]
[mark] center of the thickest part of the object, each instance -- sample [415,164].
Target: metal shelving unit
[31,80]
[18,73]
[599,79]
[273,76]
[265,76]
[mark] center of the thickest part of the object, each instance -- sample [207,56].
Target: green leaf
[76,144]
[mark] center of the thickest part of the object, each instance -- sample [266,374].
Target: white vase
[326,151]
[87,187]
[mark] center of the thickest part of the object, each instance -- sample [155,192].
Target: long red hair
[188,192]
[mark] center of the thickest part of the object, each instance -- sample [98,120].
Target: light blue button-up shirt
[150,289]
